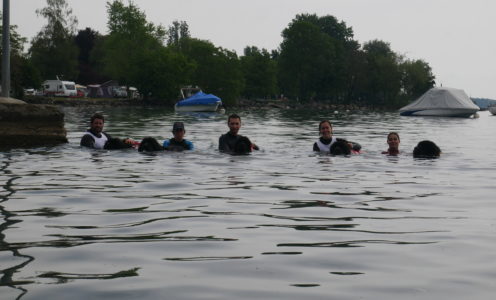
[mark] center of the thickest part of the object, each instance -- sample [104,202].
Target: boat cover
[441,98]
[199,98]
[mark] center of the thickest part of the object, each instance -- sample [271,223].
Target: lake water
[282,223]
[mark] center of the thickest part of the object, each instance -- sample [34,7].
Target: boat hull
[458,113]
[492,109]
[197,108]
[199,102]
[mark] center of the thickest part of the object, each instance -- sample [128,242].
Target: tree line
[318,60]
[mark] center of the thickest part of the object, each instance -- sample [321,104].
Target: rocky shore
[243,104]
[82,101]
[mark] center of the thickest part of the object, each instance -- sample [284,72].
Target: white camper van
[59,88]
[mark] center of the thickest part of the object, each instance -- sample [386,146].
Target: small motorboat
[194,100]
[441,102]
[492,109]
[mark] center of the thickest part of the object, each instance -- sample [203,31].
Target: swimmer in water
[393,140]
[178,143]
[96,138]
[230,142]
[324,143]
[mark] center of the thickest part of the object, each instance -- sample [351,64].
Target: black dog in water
[115,144]
[149,144]
[242,145]
[426,149]
[340,147]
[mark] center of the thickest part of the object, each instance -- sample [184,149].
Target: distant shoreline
[242,104]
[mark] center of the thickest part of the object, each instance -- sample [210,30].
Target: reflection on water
[281,223]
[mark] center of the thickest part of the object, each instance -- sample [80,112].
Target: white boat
[442,102]
[492,109]
[194,100]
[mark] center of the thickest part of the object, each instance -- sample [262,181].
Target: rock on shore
[27,125]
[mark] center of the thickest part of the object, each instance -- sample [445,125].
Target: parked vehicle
[119,91]
[29,92]
[82,91]
[59,88]
[133,93]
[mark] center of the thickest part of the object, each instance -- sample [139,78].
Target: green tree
[176,35]
[315,58]
[215,70]
[16,40]
[383,74]
[306,61]
[86,41]
[134,54]
[22,72]
[259,72]
[53,50]
[417,78]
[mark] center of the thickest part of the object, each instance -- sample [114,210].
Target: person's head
[325,129]
[96,122]
[234,123]
[393,140]
[426,149]
[340,147]
[178,131]
[242,145]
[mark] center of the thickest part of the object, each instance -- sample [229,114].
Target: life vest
[99,141]
[323,147]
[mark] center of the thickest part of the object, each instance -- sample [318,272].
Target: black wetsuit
[227,142]
[173,145]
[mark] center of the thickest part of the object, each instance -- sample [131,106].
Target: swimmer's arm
[87,141]
[190,145]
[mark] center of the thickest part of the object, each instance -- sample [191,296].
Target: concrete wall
[26,125]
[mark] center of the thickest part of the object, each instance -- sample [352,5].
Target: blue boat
[199,102]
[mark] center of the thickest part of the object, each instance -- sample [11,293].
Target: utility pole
[6,49]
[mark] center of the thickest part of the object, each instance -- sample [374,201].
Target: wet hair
[340,147]
[115,144]
[393,133]
[97,116]
[242,145]
[233,116]
[149,144]
[426,149]
[324,121]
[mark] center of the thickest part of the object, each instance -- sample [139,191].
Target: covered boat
[199,102]
[443,102]
[492,109]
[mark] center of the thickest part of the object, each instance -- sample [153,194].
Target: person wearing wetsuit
[178,143]
[231,141]
[326,140]
[94,137]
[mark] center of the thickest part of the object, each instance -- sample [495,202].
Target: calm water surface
[282,223]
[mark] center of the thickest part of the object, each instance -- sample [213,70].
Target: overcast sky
[456,37]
